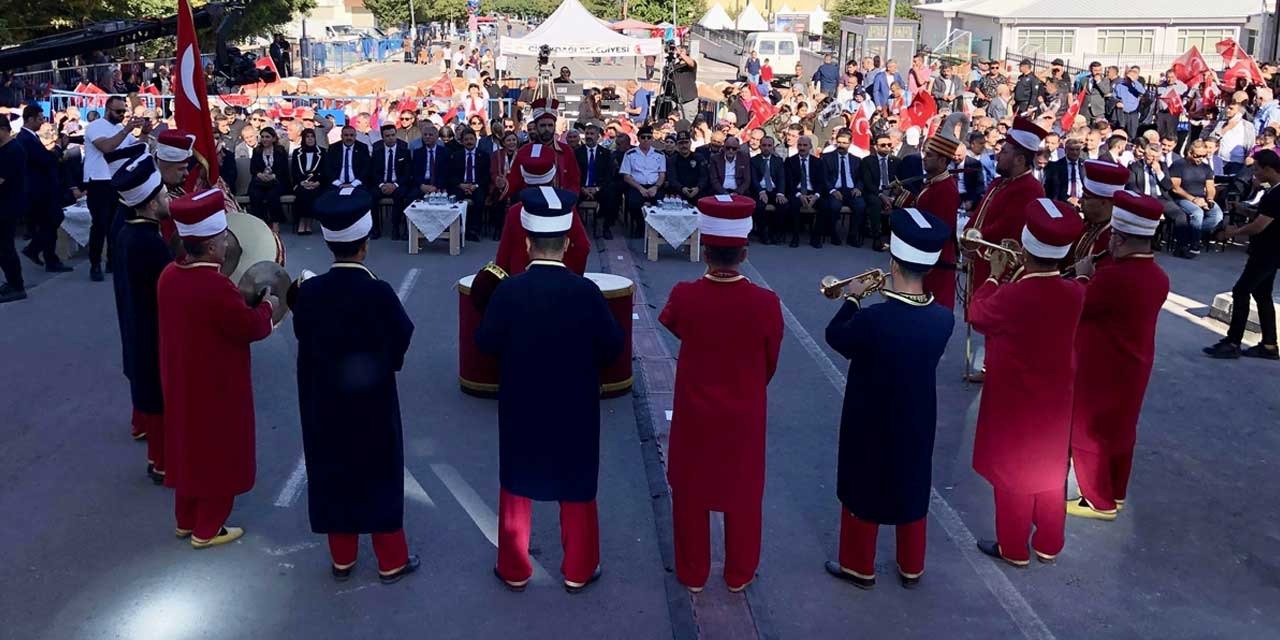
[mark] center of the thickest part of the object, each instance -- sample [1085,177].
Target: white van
[780,48]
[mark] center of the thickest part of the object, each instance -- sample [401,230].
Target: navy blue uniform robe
[141,255]
[890,406]
[552,332]
[352,337]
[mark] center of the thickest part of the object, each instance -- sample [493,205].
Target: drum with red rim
[477,372]
[619,292]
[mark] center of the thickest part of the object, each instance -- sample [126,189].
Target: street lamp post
[413,22]
[888,36]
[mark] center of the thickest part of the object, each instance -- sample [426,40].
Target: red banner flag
[919,113]
[443,88]
[191,99]
[1073,110]
[1173,100]
[861,127]
[265,63]
[1189,66]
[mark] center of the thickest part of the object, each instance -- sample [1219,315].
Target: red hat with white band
[1103,179]
[1027,134]
[200,215]
[544,108]
[1135,214]
[1052,227]
[537,164]
[174,146]
[725,220]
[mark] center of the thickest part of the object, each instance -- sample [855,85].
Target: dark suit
[13,178]
[600,171]
[480,177]
[818,184]
[332,167]
[688,172]
[971,180]
[871,182]
[264,195]
[305,167]
[1057,179]
[845,181]
[741,174]
[769,227]
[1139,178]
[44,196]
[400,174]
[438,176]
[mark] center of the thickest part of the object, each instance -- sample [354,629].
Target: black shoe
[108,269]
[408,568]
[908,583]
[992,548]
[608,234]
[853,241]
[340,575]
[795,241]
[95,273]
[10,293]
[579,588]
[815,243]
[877,246]
[836,570]
[32,255]
[1223,350]
[1259,351]
[835,241]
[57,267]
[157,477]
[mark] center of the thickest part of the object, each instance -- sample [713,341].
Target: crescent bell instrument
[833,287]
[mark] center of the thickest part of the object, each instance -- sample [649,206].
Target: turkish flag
[265,63]
[760,109]
[191,99]
[861,127]
[443,88]
[1172,97]
[921,111]
[1190,65]
[1073,110]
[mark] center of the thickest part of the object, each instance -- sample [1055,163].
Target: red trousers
[1103,478]
[858,546]
[579,537]
[692,527]
[151,424]
[391,549]
[202,516]
[1017,512]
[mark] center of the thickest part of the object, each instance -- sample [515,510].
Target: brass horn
[1009,246]
[833,287]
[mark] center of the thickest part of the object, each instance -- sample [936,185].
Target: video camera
[240,68]
[544,55]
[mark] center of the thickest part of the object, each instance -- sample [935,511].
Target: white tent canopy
[572,32]
[717,19]
[751,20]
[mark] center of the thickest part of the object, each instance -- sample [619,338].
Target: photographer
[684,76]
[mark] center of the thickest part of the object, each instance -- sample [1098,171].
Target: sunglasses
[120,111]
[406,118]
[645,136]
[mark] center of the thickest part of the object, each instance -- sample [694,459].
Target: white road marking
[291,549]
[293,486]
[635,316]
[483,517]
[668,415]
[1026,618]
[406,285]
[413,490]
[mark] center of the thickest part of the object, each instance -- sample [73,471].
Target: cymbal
[259,277]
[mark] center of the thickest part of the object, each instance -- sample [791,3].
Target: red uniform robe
[567,176]
[1094,240]
[941,197]
[513,255]
[1115,347]
[730,332]
[1024,420]
[1001,215]
[205,332]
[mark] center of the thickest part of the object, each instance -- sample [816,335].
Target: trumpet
[1008,245]
[833,287]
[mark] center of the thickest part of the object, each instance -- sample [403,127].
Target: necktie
[389,167]
[346,165]
[470,167]
[845,178]
[431,162]
[1074,191]
[804,172]
[768,177]
[884,172]
[1153,185]
[591,167]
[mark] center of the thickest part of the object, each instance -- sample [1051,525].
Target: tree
[391,13]
[871,8]
[27,19]
[659,11]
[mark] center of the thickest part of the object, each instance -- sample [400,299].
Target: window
[1202,39]
[766,48]
[1047,41]
[1125,40]
[786,48]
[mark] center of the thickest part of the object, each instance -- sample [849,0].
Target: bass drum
[619,293]
[478,373]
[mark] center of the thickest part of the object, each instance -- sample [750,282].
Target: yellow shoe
[1119,504]
[227,534]
[181,533]
[1082,509]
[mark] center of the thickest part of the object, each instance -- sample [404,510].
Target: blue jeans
[1200,219]
[753,78]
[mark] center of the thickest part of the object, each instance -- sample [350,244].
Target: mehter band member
[940,197]
[1024,420]
[1115,346]
[1102,180]
[141,255]
[352,336]
[730,332]
[890,404]
[552,333]
[205,333]
[538,169]
[116,160]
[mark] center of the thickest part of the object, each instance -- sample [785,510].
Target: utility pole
[888,36]
[413,23]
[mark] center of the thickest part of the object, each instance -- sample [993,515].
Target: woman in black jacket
[305,167]
[270,169]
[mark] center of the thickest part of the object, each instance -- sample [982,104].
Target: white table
[74,232]
[433,221]
[677,227]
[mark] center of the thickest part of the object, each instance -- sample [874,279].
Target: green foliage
[391,14]
[872,8]
[659,11]
[605,9]
[440,10]
[27,19]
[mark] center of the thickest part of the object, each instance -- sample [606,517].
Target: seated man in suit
[347,163]
[390,176]
[769,186]
[598,173]
[807,183]
[469,176]
[1064,179]
[431,163]
[1149,175]
[842,168]
[729,171]
[687,174]
[877,171]
[969,182]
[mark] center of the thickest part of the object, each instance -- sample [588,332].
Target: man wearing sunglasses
[102,136]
